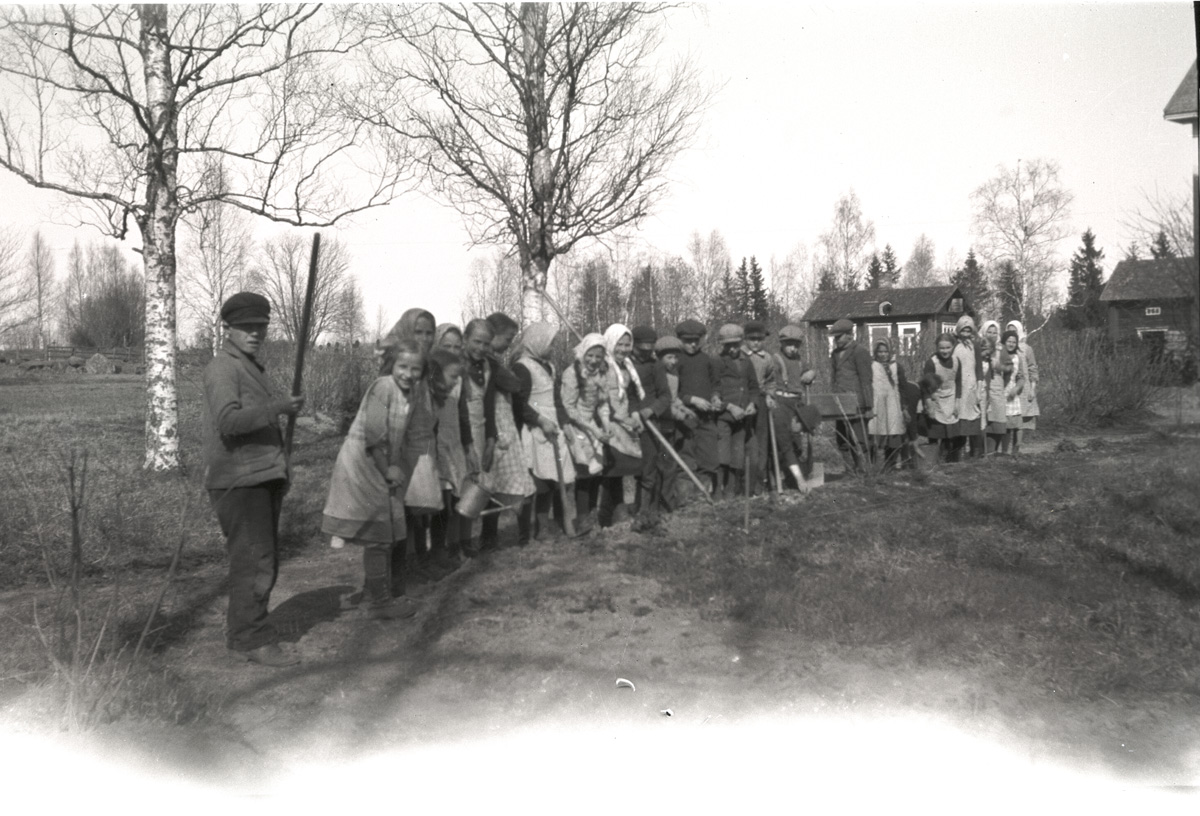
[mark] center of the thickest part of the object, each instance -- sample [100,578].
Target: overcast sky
[912,106]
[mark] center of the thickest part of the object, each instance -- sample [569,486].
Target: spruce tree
[1083,309]
[741,292]
[1161,248]
[875,273]
[891,268]
[972,283]
[828,280]
[760,302]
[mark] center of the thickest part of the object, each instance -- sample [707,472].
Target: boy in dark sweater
[700,391]
[655,403]
[739,394]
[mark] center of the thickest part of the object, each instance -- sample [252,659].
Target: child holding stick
[365,505]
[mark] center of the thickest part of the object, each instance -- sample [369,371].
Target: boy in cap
[657,400]
[766,369]
[739,394]
[793,376]
[246,473]
[669,350]
[852,375]
[700,392]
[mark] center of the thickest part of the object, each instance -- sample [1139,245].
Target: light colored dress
[538,449]
[509,475]
[1012,407]
[359,499]
[584,402]
[941,407]
[888,421]
[968,400]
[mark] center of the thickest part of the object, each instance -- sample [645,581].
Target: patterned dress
[509,474]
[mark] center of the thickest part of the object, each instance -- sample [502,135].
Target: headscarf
[537,339]
[612,336]
[589,341]
[964,321]
[442,330]
[403,330]
[1016,325]
[887,367]
[408,322]
[984,328]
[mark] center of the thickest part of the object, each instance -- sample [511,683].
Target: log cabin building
[902,314]
[1150,301]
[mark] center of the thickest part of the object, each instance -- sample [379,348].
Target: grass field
[1068,578]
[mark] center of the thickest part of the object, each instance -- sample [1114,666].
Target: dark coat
[243,445]
[852,374]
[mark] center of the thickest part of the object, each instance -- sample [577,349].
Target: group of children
[448,420]
[981,391]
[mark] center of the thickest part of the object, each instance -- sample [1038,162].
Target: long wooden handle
[302,341]
[775,451]
[679,461]
[567,521]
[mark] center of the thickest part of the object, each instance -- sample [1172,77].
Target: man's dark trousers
[249,518]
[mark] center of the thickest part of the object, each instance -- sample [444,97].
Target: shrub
[1084,379]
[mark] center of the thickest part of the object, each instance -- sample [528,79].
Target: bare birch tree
[845,244]
[41,281]
[280,272]
[1022,216]
[792,283]
[543,124]
[139,113]
[919,268]
[214,264]
[16,294]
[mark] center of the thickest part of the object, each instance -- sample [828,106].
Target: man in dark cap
[700,391]
[654,401]
[247,473]
[852,375]
[767,372]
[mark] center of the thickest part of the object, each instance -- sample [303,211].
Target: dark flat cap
[246,307]
[755,329]
[843,326]
[644,334]
[691,328]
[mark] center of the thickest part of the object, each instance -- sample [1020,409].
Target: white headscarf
[612,336]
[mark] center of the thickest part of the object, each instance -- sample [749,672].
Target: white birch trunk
[157,225]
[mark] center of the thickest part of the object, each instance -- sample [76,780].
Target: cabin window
[908,332]
[1153,311]
[948,328]
[956,305]
[879,331]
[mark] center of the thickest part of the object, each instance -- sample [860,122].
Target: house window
[1153,311]
[909,333]
[948,328]
[879,331]
[956,305]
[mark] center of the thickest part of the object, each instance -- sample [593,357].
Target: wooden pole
[746,482]
[775,451]
[679,461]
[302,340]
[567,521]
